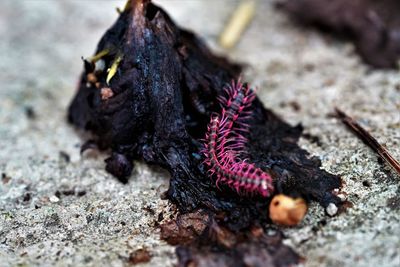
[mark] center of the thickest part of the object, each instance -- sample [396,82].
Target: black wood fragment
[165,90]
[158,104]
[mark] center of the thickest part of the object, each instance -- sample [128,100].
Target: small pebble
[331,209]
[54,199]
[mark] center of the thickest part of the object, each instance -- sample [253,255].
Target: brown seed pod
[91,77]
[286,210]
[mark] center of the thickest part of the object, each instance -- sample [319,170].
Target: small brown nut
[106,93]
[91,77]
[286,210]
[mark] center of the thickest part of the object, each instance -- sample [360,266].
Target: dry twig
[238,22]
[368,139]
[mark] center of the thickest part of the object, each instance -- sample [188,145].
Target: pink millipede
[236,113]
[224,143]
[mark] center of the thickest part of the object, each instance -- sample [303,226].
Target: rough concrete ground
[55,212]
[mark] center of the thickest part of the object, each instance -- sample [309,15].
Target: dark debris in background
[373,26]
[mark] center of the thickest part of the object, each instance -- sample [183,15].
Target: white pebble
[54,199]
[331,209]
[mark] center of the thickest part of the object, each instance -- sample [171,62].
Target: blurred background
[60,208]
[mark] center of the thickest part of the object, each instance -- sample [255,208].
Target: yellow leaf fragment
[113,69]
[98,56]
[127,7]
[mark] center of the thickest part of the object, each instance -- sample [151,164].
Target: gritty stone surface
[58,208]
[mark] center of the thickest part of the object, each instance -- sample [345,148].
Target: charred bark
[154,104]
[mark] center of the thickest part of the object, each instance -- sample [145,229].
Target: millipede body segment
[225,142]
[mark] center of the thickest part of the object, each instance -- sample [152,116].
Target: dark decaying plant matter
[254,248]
[373,25]
[149,92]
[204,243]
[164,90]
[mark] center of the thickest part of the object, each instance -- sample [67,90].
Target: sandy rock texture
[58,208]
